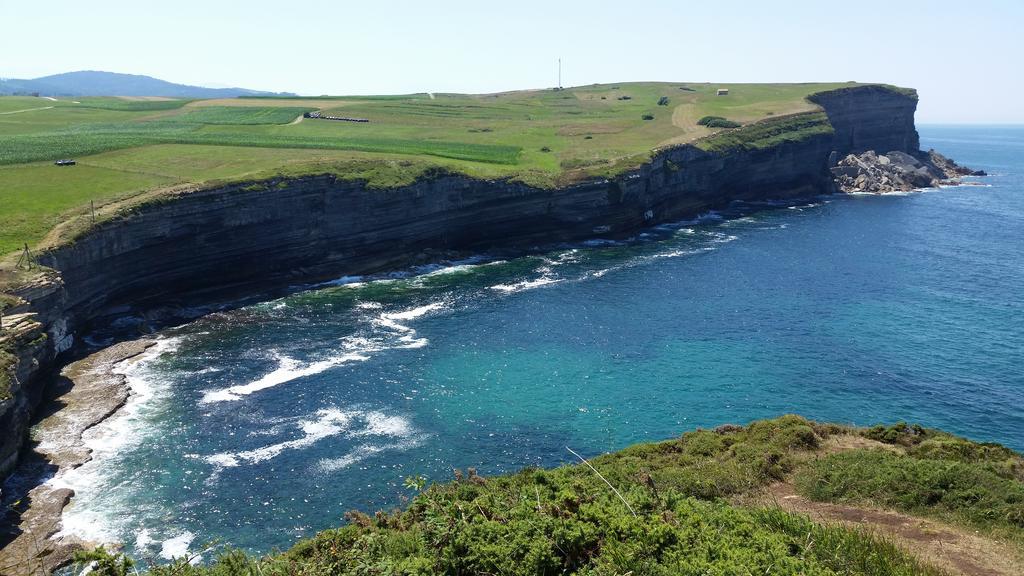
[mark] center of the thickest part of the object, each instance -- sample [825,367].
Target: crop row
[94,139]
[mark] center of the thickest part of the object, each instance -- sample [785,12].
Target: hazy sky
[964,57]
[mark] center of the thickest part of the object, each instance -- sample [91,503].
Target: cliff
[250,238]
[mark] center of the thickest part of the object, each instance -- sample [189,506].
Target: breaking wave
[326,423]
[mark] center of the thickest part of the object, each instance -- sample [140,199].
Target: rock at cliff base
[897,172]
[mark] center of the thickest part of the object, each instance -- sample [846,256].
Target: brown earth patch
[954,549]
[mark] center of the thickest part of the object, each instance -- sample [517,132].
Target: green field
[543,137]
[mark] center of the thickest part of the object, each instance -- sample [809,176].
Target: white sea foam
[355,349]
[288,369]
[144,539]
[526,284]
[176,547]
[126,428]
[673,254]
[343,281]
[328,465]
[325,424]
[328,423]
[413,313]
[719,238]
[379,424]
[600,242]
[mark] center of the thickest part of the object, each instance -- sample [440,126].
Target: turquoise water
[258,426]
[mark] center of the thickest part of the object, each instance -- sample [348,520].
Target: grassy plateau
[125,147]
[687,506]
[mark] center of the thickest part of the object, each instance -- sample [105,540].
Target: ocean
[258,426]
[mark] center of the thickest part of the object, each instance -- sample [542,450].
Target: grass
[980,486]
[7,363]
[568,521]
[241,115]
[37,198]
[123,105]
[544,138]
[769,133]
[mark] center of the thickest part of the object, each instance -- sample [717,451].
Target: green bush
[718,122]
[559,524]
[926,443]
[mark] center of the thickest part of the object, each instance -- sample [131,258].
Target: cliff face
[318,227]
[871,118]
[245,238]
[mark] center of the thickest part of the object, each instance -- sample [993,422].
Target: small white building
[723,91]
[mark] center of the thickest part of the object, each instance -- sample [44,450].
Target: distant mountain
[93,83]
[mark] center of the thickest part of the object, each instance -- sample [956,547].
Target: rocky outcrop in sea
[897,171]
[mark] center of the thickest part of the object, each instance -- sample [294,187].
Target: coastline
[318,228]
[95,390]
[88,392]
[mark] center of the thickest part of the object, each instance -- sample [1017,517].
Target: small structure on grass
[723,92]
[65,162]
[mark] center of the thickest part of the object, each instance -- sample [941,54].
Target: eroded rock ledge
[88,392]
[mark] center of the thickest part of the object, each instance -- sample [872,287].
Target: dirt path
[957,550]
[954,549]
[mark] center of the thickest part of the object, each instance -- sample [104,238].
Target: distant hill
[94,83]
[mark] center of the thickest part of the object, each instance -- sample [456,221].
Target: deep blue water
[265,424]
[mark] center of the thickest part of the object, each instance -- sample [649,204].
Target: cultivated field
[544,137]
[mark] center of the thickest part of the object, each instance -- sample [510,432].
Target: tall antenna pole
[559,73]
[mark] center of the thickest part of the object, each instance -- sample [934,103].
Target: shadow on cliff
[34,469]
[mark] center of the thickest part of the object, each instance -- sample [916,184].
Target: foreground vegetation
[663,508]
[931,474]
[125,147]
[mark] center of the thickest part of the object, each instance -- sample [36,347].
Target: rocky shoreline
[897,171]
[87,392]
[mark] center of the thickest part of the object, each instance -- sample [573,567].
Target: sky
[963,57]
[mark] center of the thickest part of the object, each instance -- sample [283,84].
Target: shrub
[663,101]
[545,149]
[717,122]
[648,117]
[770,132]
